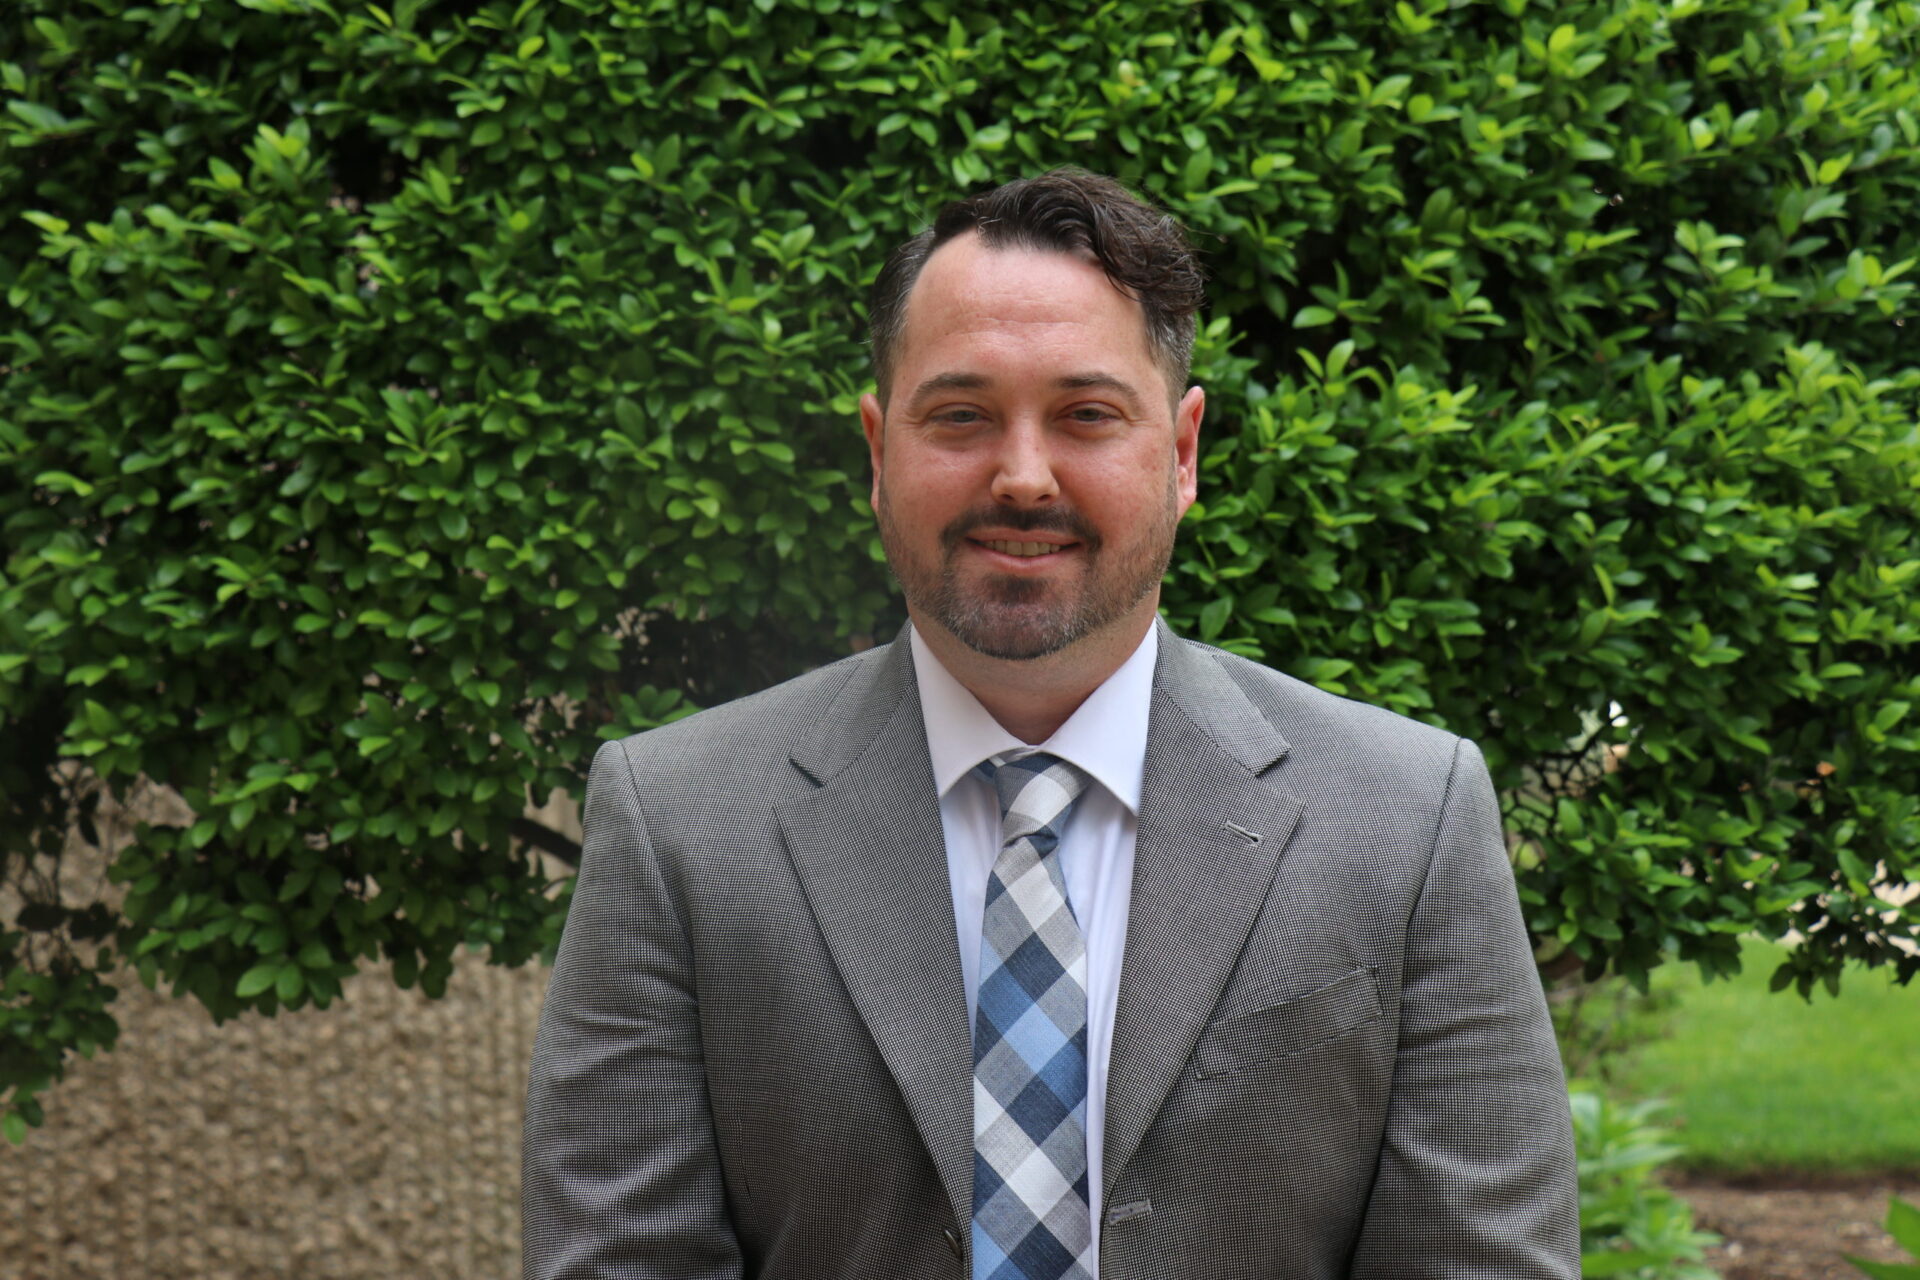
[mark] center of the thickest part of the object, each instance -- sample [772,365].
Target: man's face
[1030,469]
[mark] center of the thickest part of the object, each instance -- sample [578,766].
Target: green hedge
[394,402]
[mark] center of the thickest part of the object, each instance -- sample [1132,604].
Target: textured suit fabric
[1331,1053]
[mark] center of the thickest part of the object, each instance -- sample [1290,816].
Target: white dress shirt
[1107,737]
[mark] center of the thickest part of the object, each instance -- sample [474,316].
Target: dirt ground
[1776,1230]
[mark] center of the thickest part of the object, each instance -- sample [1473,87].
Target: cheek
[933,477]
[1127,488]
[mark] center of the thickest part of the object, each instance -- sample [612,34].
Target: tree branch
[1564,965]
[542,837]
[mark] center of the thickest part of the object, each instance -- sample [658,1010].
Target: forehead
[973,303]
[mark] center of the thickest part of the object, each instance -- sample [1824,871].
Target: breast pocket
[1290,1027]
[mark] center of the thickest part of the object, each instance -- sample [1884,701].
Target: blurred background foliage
[397,399]
[1631,1226]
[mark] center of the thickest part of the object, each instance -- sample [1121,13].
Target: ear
[872,420]
[1186,445]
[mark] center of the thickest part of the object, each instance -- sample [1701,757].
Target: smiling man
[1043,943]
[1032,458]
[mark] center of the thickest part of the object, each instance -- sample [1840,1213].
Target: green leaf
[1615,1263]
[63,481]
[1213,618]
[1903,1224]
[992,138]
[38,116]
[257,979]
[1313,317]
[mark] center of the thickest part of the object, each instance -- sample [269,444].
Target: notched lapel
[1199,880]
[868,847]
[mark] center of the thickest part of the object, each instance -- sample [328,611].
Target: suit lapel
[1197,882]
[869,849]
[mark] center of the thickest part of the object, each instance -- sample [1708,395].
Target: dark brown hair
[1143,250]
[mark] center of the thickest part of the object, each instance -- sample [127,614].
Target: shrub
[1708,583]
[1630,1225]
[397,399]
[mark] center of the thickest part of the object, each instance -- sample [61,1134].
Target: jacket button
[953,1244]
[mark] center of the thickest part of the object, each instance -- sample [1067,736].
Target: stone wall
[377,1138]
[380,1137]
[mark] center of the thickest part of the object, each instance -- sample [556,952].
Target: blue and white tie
[1030,1216]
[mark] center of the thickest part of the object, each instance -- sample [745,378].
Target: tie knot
[1037,795]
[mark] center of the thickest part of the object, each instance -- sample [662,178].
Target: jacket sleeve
[620,1172]
[1476,1175]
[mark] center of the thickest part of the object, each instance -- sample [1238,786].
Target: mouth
[1027,557]
[1023,550]
[1021,543]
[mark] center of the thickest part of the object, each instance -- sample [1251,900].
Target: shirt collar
[1106,735]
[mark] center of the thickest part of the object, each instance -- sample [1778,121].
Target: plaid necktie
[1030,1216]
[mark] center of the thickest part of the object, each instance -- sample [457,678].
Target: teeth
[1022,548]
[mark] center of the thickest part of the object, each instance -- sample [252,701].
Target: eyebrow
[1100,382]
[947,382]
[1094,381]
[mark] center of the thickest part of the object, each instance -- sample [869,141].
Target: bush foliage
[395,399]
[1631,1226]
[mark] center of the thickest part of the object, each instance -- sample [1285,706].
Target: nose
[1023,469]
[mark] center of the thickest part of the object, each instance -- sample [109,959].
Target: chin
[1017,638]
[1016,650]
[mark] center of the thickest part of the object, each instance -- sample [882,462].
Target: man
[1226,979]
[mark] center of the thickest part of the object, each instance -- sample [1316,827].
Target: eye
[958,416]
[1092,414]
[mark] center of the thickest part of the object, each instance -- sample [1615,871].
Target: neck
[1031,698]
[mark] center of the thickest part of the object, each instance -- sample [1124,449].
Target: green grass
[1764,1082]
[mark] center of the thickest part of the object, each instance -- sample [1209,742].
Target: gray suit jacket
[1331,1056]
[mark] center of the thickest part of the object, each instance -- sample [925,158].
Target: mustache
[1027,520]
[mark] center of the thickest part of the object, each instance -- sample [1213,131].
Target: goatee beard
[1023,619]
